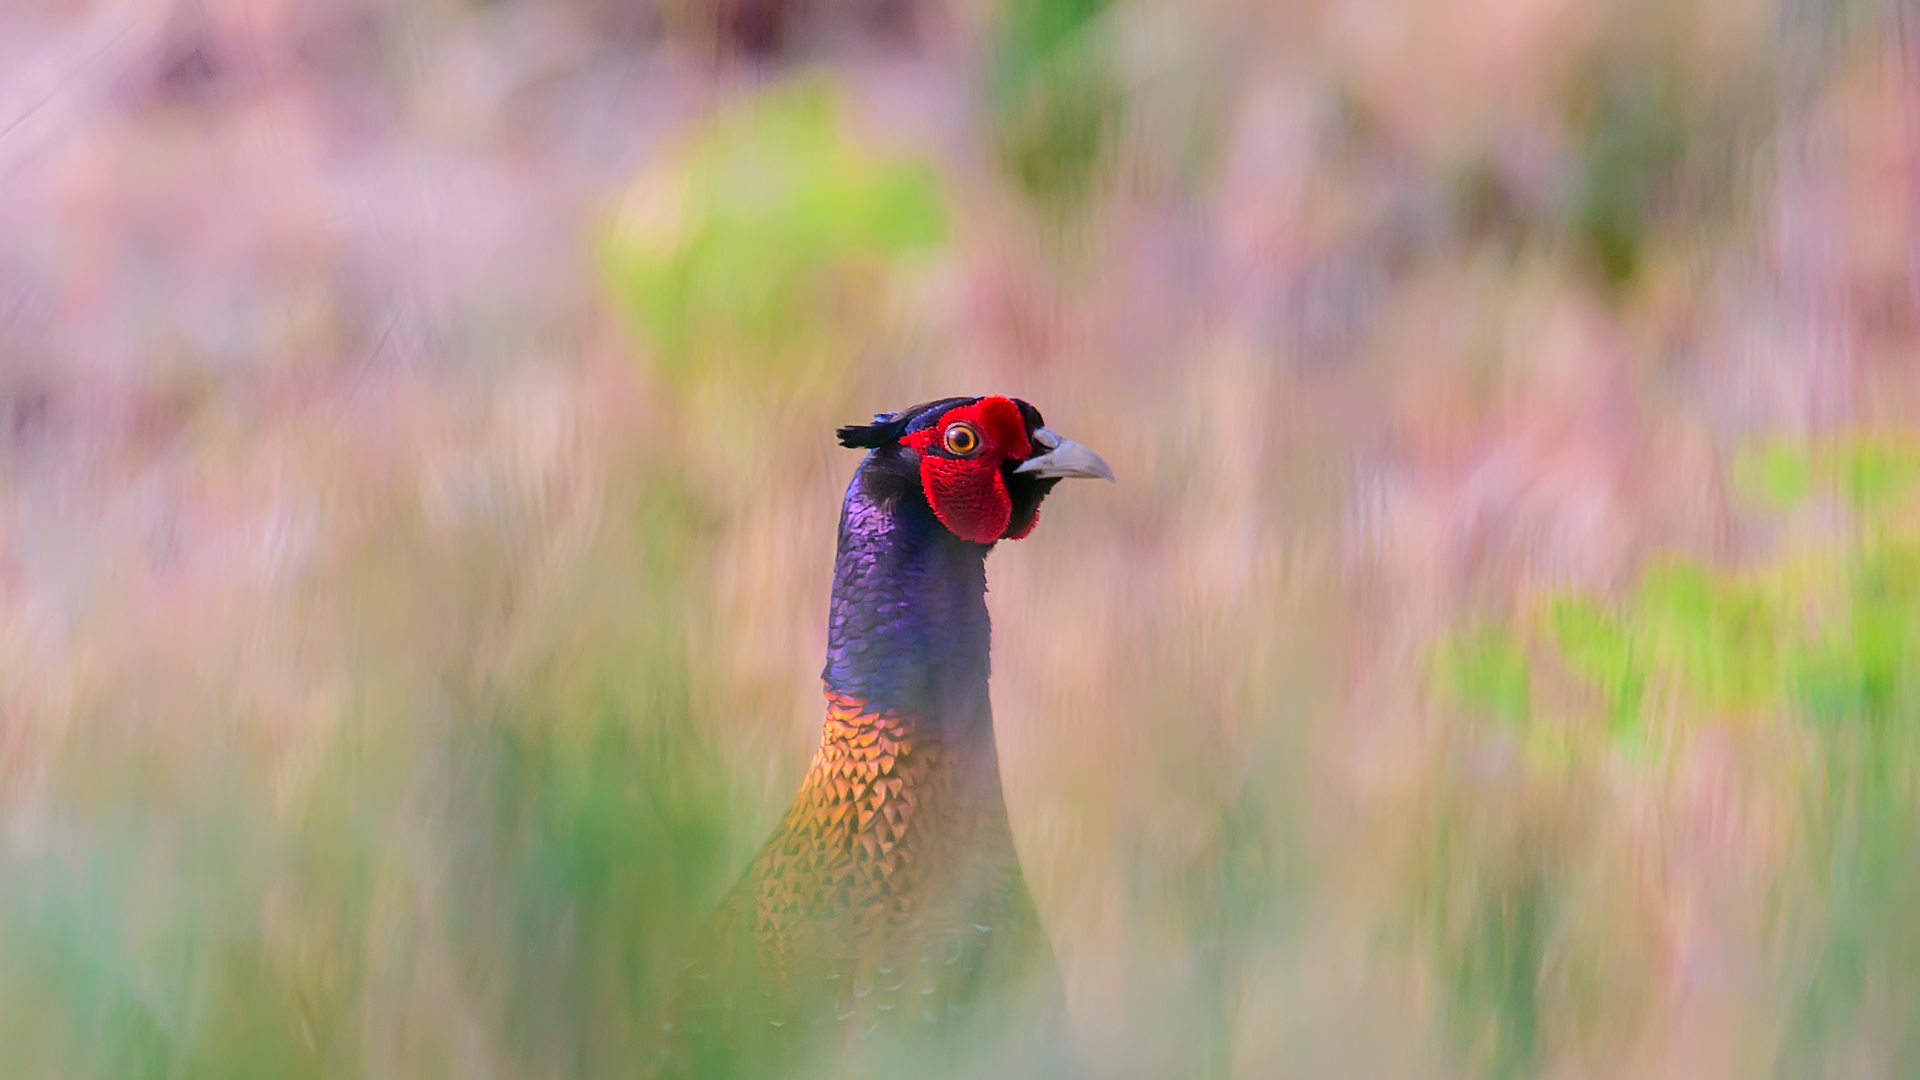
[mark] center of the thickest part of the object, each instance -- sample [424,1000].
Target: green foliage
[1868,471]
[1634,134]
[1714,635]
[1487,669]
[1777,475]
[743,245]
[1054,98]
[1493,999]
[521,861]
[1871,471]
[1664,137]
[1596,647]
[1824,644]
[1734,643]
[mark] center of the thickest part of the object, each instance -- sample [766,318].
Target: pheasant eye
[962,439]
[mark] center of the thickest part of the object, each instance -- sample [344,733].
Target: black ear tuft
[886,427]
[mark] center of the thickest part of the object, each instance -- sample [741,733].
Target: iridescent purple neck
[907,628]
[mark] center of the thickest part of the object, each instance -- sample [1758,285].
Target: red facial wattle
[968,493]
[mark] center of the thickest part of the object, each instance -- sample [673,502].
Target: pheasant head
[983,465]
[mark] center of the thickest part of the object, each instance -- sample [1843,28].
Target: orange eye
[962,439]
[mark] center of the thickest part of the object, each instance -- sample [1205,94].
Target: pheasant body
[888,907]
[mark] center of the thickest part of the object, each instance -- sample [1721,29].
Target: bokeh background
[417,495]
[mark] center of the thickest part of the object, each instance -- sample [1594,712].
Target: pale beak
[1063,459]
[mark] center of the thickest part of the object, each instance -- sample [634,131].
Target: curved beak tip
[1064,459]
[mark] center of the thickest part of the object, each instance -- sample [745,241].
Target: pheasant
[888,912]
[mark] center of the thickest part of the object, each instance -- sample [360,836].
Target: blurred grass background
[417,500]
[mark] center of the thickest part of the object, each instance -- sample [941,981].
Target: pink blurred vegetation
[417,498]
